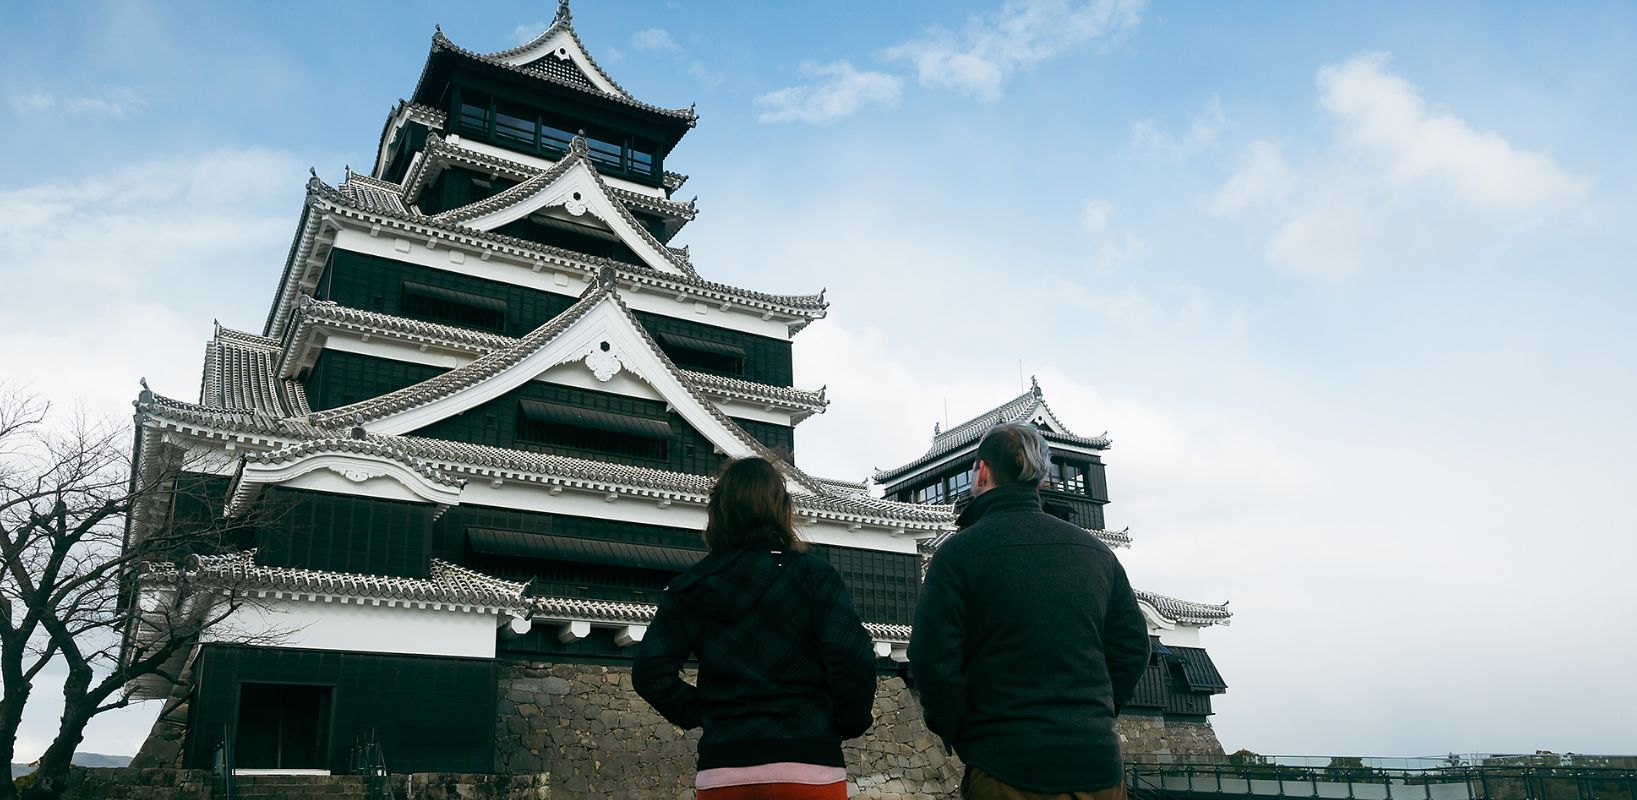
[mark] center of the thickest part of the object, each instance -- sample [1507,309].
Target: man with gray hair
[1027,638]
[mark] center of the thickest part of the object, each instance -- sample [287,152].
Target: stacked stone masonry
[581,731]
[586,726]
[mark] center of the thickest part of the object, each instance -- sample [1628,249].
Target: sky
[1350,286]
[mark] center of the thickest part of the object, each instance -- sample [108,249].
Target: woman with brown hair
[785,668]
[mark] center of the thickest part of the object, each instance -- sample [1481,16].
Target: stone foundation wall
[1154,736]
[126,783]
[586,726]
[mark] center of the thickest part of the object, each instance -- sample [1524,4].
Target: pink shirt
[777,772]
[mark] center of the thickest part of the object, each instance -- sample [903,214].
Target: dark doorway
[283,726]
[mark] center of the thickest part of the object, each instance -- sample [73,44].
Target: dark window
[515,126]
[474,112]
[575,428]
[436,304]
[1068,477]
[930,494]
[642,161]
[529,129]
[960,484]
[557,139]
[704,355]
[283,726]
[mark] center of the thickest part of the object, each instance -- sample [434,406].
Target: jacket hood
[724,586]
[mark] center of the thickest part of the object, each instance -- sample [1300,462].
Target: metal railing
[1540,777]
[368,759]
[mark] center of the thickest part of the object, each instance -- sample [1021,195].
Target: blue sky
[1349,285]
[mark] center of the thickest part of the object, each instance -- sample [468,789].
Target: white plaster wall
[355,627]
[1181,636]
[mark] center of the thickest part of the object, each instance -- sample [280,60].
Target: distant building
[1181,678]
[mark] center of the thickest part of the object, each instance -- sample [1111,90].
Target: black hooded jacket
[785,667]
[1027,641]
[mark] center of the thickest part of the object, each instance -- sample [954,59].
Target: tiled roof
[657,205]
[819,499]
[322,200]
[576,609]
[1186,611]
[1022,408]
[463,458]
[441,42]
[240,374]
[380,448]
[443,385]
[374,323]
[373,194]
[440,152]
[522,192]
[1114,539]
[447,583]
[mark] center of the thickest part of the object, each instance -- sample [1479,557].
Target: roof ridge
[486,366]
[362,446]
[578,155]
[441,41]
[329,310]
[795,302]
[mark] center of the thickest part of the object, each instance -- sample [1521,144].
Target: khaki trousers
[980,785]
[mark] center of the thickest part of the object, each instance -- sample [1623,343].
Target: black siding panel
[495,423]
[884,586]
[368,535]
[372,283]
[339,378]
[431,714]
[781,439]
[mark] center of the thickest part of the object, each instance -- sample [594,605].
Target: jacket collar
[1012,497]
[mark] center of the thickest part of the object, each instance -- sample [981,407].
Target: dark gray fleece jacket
[1027,642]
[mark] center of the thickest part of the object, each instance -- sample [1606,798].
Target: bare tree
[72,588]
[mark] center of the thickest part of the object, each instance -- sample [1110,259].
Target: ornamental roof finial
[313,172]
[563,14]
[577,144]
[937,428]
[1034,385]
[606,278]
[147,394]
[357,426]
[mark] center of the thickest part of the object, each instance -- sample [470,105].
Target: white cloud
[1203,128]
[654,40]
[841,92]
[1095,217]
[524,34]
[1110,245]
[1021,34]
[1401,183]
[1262,177]
[119,102]
[158,247]
[30,102]
[660,41]
[1381,115]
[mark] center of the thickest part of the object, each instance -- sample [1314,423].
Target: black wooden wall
[372,283]
[346,533]
[431,714]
